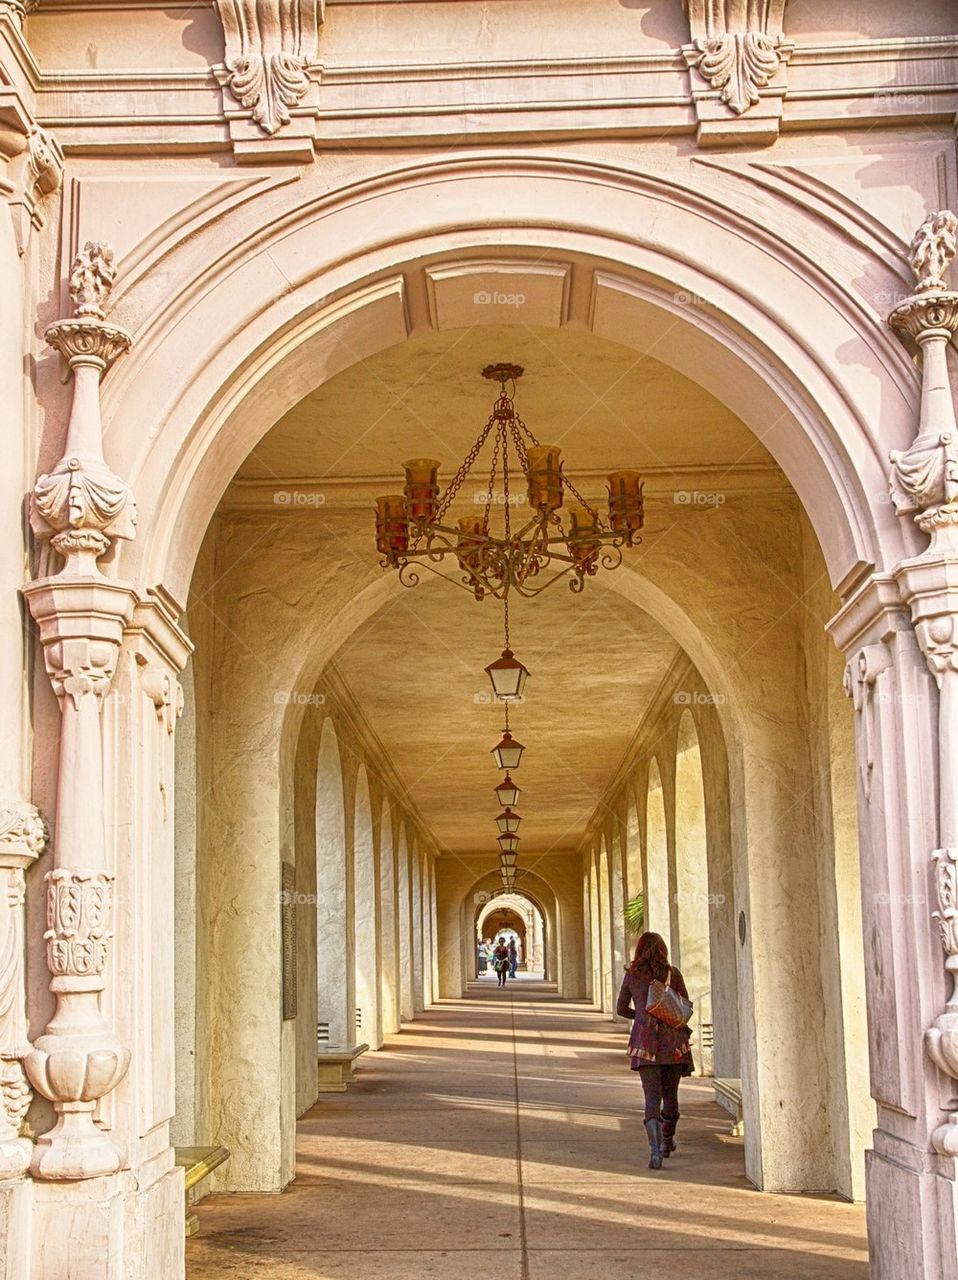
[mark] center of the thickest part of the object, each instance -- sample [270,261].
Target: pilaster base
[108,1229]
[15,1230]
[912,1221]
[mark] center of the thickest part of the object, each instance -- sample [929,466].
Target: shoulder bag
[665,1003]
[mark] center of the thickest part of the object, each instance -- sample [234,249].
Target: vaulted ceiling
[416,667]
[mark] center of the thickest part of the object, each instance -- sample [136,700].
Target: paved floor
[499,1138]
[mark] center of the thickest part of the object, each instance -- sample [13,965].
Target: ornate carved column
[80,507]
[924,486]
[30,167]
[737,59]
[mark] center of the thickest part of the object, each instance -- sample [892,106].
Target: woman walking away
[660,1052]
[500,961]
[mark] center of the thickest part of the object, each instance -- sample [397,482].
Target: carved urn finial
[81,506]
[924,478]
[91,279]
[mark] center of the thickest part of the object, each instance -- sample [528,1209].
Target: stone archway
[821,424]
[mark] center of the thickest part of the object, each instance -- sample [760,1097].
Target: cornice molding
[351,492]
[644,93]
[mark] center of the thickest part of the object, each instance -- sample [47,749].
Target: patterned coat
[652,1043]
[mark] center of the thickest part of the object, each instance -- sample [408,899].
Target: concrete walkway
[500,1137]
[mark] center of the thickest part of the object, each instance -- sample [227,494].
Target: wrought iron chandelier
[415,527]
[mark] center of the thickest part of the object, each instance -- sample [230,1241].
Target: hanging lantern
[508,752]
[392,527]
[509,842]
[545,476]
[507,792]
[422,488]
[508,821]
[626,506]
[508,677]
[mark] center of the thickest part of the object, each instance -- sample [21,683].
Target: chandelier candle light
[415,527]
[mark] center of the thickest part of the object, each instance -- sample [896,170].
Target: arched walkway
[507,1127]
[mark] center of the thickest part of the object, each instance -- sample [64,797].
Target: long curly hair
[651,959]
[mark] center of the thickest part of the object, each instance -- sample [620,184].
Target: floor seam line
[524,1270]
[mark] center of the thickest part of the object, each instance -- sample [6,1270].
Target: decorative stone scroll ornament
[81,506]
[738,48]
[269,44]
[924,487]
[31,160]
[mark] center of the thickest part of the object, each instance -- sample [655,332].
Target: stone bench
[336,1066]
[198,1163]
[728,1094]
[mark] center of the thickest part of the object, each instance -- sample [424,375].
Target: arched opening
[658,903]
[675,603]
[368,960]
[693,900]
[334,979]
[390,979]
[406,941]
[512,915]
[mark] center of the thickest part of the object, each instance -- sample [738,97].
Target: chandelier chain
[464,469]
[505,483]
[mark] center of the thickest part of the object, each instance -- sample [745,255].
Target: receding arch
[332,933]
[404,896]
[366,933]
[389,991]
[657,905]
[693,901]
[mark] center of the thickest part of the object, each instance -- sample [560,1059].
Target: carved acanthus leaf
[739,46]
[269,45]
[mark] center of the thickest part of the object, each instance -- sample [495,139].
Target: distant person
[500,961]
[513,957]
[483,958]
[660,1053]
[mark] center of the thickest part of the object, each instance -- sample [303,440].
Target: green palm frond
[635,913]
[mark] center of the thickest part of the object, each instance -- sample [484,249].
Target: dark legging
[661,1085]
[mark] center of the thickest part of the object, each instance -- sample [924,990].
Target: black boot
[654,1128]
[668,1136]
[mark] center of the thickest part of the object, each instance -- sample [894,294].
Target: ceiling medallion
[416,527]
